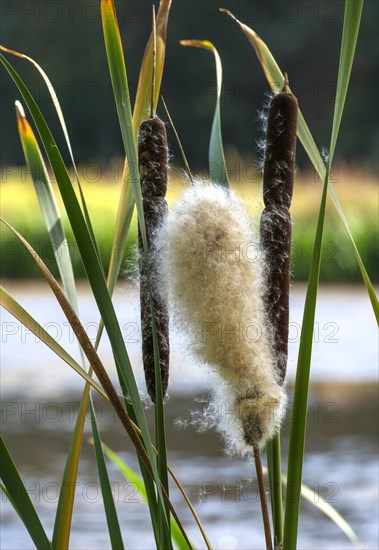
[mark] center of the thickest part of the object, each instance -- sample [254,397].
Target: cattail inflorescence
[276,228]
[209,263]
[153,165]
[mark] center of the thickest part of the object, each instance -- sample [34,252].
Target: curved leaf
[217,165]
[48,204]
[21,500]
[55,102]
[51,214]
[90,259]
[331,513]
[275,79]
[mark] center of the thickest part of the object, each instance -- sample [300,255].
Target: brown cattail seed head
[275,238]
[278,179]
[279,165]
[155,209]
[153,157]
[153,165]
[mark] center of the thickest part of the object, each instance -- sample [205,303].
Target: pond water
[41,395]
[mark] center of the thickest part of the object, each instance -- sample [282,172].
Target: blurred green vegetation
[304,36]
[356,189]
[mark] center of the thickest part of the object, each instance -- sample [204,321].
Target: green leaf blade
[21,500]
[119,80]
[109,505]
[275,79]
[48,204]
[133,477]
[300,398]
[217,165]
[140,113]
[352,20]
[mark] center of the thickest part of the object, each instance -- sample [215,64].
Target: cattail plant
[206,255]
[153,170]
[275,230]
[208,260]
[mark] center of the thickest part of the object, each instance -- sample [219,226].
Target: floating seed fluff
[209,263]
[153,164]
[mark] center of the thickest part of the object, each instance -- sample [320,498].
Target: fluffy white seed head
[211,270]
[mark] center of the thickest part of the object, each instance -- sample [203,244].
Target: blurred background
[41,396]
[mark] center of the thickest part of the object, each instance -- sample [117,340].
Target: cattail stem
[276,490]
[152,100]
[263,498]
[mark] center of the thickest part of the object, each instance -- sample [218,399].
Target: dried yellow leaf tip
[19,109]
[211,267]
[23,124]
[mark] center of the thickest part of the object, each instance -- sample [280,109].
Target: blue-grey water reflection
[41,396]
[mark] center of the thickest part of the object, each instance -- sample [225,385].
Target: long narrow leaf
[52,218]
[109,505]
[352,21]
[141,110]
[119,80]
[217,165]
[138,483]
[47,202]
[90,259]
[50,210]
[55,102]
[51,214]
[274,463]
[300,398]
[275,79]
[298,424]
[64,512]
[21,500]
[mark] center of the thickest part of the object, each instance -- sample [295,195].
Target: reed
[204,261]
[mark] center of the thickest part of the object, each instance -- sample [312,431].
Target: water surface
[41,396]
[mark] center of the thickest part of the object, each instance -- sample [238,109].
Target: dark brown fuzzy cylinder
[155,209]
[276,229]
[275,239]
[153,165]
[279,165]
[153,157]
